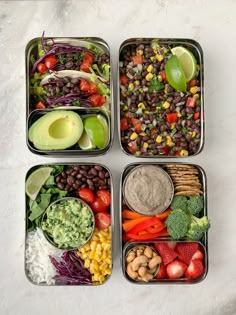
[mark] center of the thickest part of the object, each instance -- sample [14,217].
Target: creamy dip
[148,190]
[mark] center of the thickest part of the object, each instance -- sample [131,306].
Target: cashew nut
[142,271]
[139,252]
[138,261]
[132,274]
[154,262]
[130,257]
[148,252]
[154,254]
[147,277]
[153,270]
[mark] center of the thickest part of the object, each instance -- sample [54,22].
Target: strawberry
[162,272]
[176,269]
[166,252]
[195,269]
[198,255]
[186,250]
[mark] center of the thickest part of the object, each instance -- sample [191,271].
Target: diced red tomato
[165,150]
[85,67]
[191,102]
[138,59]
[97,100]
[41,68]
[171,117]
[105,196]
[93,88]
[192,83]
[124,79]
[88,58]
[196,116]
[163,75]
[50,62]
[102,220]
[124,124]
[153,130]
[98,205]
[137,124]
[132,147]
[86,194]
[40,105]
[84,85]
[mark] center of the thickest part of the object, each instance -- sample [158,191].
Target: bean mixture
[84,176]
[155,118]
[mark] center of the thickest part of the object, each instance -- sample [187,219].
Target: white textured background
[213,24]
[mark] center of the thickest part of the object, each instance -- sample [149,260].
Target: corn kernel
[196,96]
[149,76]
[152,58]
[169,141]
[145,145]
[86,263]
[183,153]
[165,50]
[131,87]
[136,82]
[193,134]
[134,136]
[172,126]
[140,52]
[143,134]
[159,77]
[194,89]
[141,105]
[166,105]
[150,68]
[146,112]
[179,114]
[159,57]
[158,139]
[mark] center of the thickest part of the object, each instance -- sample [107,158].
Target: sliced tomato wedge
[95,100]
[40,105]
[88,58]
[102,220]
[84,85]
[105,196]
[86,194]
[85,67]
[92,88]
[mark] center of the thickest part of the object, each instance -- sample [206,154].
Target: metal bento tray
[139,104]
[47,261]
[127,245]
[107,111]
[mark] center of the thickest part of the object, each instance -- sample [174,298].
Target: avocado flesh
[56,130]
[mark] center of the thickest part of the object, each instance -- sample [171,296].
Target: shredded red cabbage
[70,269]
[69,98]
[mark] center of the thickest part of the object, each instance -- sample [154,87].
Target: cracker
[187,193]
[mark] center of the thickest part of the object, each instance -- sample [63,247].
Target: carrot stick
[128,214]
[163,215]
[129,224]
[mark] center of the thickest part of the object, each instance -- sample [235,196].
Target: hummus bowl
[148,190]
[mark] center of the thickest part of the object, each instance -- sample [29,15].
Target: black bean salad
[160,107]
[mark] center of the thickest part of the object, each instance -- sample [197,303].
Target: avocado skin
[39,133]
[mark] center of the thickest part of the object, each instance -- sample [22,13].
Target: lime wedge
[187,61]
[103,121]
[85,142]
[36,180]
[95,131]
[175,74]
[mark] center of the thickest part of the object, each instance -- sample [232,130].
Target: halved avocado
[56,130]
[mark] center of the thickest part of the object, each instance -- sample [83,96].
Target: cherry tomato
[50,62]
[86,194]
[92,88]
[105,196]
[124,79]
[98,205]
[84,85]
[124,124]
[41,68]
[102,220]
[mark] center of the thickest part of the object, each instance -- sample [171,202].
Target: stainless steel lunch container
[193,46]
[125,246]
[111,213]
[31,49]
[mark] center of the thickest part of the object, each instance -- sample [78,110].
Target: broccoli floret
[198,227]
[179,202]
[195,204]
[178,223]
